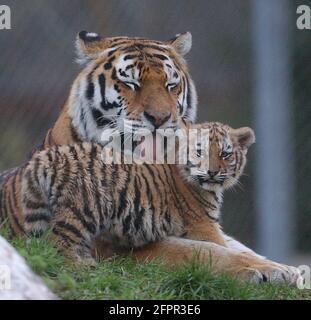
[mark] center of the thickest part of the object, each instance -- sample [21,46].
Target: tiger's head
[225,159]
[130,84]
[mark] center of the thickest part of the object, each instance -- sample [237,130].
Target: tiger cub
[72,191]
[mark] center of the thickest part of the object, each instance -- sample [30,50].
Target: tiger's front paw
[271,272]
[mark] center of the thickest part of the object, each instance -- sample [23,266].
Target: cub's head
[220,155]
[131,84]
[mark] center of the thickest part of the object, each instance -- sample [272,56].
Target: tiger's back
[71,190]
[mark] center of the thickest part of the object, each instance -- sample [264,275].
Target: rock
[17,280]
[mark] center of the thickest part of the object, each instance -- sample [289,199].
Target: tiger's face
[130,84]
[225,160]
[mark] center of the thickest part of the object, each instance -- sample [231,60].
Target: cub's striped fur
[72,190]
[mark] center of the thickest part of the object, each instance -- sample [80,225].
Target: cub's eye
[134,86]
[225,155]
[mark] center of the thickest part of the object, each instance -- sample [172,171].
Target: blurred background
[251,66]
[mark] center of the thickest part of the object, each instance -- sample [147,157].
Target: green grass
[123,278]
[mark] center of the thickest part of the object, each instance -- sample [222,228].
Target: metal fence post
[273,102]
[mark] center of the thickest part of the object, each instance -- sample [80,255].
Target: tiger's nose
[212,174]
[157,119]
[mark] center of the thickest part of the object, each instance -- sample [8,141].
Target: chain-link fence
[37,68]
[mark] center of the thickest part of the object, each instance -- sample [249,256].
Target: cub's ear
[245,136]
[182,43]
[88,46]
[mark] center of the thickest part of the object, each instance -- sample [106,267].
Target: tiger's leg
[71,231]
[208,230]
[176,251]
[236,245]
[205,230]
[35,208]
[202,230]
[73,235]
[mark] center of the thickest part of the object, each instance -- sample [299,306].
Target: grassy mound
[123,278]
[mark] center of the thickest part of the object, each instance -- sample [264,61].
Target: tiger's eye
[171,86]
[225,154]
[132,85]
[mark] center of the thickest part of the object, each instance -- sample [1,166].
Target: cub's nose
[157,119]
[212,174]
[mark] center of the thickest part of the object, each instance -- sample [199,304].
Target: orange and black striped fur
[71,190]
[127,84]
[125,81]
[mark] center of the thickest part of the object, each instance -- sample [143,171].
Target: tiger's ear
[182,43]
[88,46]
[245,136]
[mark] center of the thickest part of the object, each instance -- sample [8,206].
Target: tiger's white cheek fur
[111,95]
[97,99]
[191,111]
[88,129]
[80,108]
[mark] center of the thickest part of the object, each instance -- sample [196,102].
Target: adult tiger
[134,81]
[127,82]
